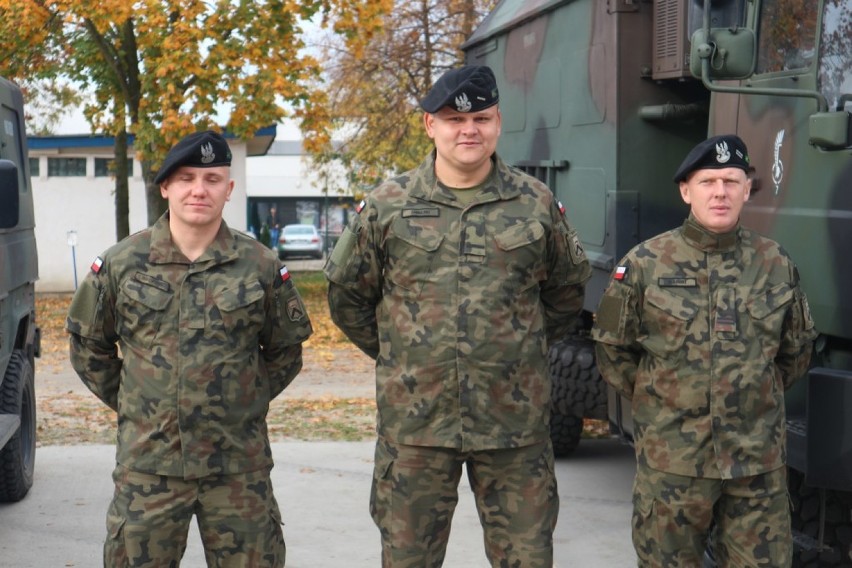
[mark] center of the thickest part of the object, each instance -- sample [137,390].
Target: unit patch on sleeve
[294,309]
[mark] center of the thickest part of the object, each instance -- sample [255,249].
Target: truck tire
[17,458]
[837,538]
[576,391]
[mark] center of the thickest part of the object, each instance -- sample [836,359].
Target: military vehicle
[19,336]
[602,99]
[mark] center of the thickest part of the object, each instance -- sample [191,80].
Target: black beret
[199,150]
[727,151]
[467,89]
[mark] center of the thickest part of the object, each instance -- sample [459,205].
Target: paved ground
[323,489]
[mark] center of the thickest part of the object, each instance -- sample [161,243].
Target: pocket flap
[775,298]
[520,234]
[232,299]
[674,305]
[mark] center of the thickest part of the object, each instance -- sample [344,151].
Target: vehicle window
[299,230]
[835,52]
[787,35]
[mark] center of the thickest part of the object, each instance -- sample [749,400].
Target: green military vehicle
[602,99]
[19,336]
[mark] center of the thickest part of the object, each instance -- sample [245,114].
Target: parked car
[299,240]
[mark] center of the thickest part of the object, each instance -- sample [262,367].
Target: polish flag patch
[284,273]
[361,206]
[620,273]
[561,207]
[97,264]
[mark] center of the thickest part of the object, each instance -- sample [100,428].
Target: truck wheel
[565,433]
[17,458]
[576,391]
[837,538]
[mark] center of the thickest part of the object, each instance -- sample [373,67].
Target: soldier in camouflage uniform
[453,277]
[210,328]
[704,328]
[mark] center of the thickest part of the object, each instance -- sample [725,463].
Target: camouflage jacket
[705,333]
[456,303]
[204,346]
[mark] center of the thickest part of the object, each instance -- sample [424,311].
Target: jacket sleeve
[563,292]
[93,340]
[354,273]
[615,329]
[287,327]
[797,336]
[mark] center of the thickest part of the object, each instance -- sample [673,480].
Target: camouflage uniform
[457,303]
[204,347]
[705,332]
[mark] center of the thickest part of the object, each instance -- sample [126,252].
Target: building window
[35,164]
[106,167]
[66,167]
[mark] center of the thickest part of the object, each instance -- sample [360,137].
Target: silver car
[299,240]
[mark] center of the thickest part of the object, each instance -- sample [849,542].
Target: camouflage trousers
[749,517]
[415,492]
[237,515]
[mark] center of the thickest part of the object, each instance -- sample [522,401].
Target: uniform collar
[496,187]
[699,237]
[163,251]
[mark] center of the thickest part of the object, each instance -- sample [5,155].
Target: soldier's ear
[684,192]
[428,123]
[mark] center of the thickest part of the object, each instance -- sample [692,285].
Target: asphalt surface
[323,490]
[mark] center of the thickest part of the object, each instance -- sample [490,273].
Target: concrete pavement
[323,490]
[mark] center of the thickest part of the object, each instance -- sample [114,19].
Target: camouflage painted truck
[19,336]
[602,99]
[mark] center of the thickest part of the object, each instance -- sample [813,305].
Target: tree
[47,103]
[160,69]
[372,95]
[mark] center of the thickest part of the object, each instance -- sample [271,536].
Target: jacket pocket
[766,311]
[241,309]
[522,254]
[412,249]
[140,309]
[665,321]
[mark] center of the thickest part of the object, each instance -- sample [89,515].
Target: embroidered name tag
[422,212]
[151,281]
[677,282]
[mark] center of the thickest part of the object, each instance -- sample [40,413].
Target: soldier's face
[464,141]
[716,197]
[197,196]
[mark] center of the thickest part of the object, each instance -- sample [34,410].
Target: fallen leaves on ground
[71,418]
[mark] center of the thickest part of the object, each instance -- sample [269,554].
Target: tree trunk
[156,204]
[122,192]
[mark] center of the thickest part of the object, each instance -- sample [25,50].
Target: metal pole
[325,203]
[71,236]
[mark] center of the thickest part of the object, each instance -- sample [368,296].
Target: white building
[284,187]
[73,191]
